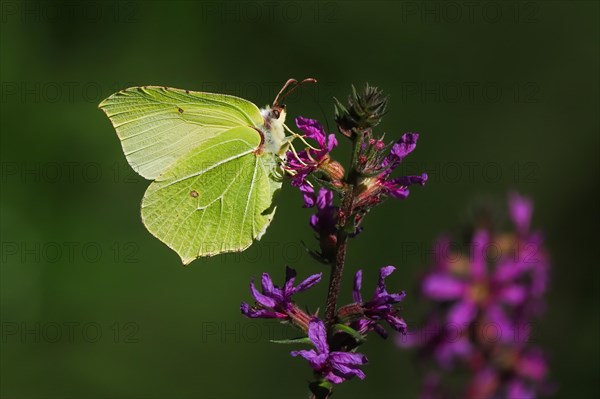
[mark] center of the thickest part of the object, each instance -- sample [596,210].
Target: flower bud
[333,170]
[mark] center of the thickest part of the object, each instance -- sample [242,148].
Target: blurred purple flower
[335,367]
[477,291]
[501,285]
[432,387]
[520,210]
[520,376]
[444,342]
[529,249]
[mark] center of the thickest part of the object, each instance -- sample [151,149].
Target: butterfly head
[277,111]
[274,113]
[273,129]
[274,117]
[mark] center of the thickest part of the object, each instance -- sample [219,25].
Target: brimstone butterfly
[215,161]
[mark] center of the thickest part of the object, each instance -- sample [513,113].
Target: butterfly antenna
[285,86]
[294,84]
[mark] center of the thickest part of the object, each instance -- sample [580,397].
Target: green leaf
[301,340]
[350,331]
[321,389]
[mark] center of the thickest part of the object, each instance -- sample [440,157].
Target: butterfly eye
[276,113]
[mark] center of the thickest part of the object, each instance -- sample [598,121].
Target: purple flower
[335,367]
[529,246]
[518,376]
[431,387]
[398,187]
[324,221]
[400,149]
[379,185]
[309,160]
[531,364]
[487,298]
[476,291]
[520,209]
[308,193]
[442,341]
[484,384]
[380,307]
[276,302]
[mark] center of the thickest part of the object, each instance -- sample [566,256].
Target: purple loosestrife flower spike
[275,302]
[380,307]
[335,367]
[499,285]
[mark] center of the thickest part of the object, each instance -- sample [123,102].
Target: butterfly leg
[298,136]
[287,143]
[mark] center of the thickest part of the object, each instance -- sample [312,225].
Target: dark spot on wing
[166,88]
[194,194]
[180,110]
[187,92]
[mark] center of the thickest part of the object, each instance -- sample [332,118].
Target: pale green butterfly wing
[157,125]
[216,198]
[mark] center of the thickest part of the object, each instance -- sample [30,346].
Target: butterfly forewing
[157,125]
[216,198]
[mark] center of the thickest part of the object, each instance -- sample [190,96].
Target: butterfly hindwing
[157,125]
[216,198]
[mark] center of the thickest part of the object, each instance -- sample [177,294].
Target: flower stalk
[345,216]
[361,184]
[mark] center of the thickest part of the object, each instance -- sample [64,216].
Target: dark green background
[504,94]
